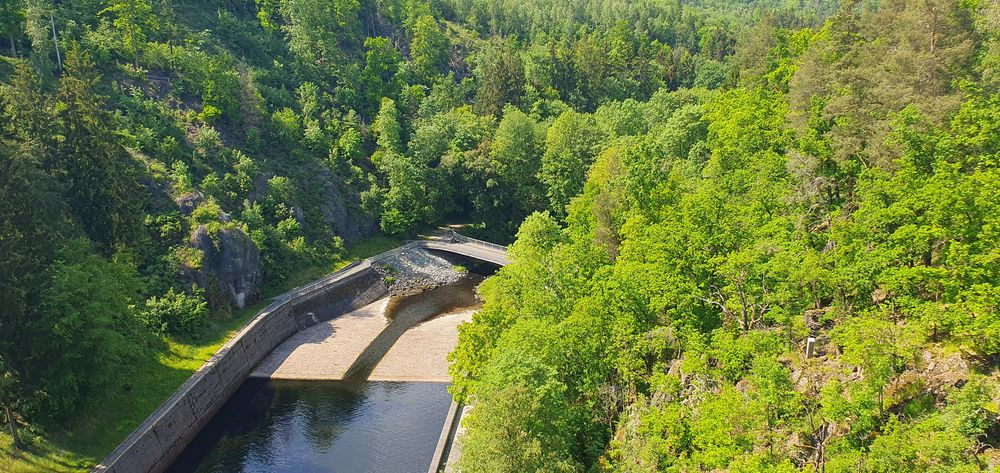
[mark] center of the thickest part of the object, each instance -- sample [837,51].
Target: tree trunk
[135,49]
[13,46]
[55,40]
[12,423]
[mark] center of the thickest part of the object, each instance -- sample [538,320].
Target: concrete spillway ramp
[421,354]
[394,339]
[326,350]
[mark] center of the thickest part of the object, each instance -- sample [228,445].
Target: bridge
[471,247]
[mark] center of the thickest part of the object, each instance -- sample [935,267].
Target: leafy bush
[206,213]
[90,332]
[177,313]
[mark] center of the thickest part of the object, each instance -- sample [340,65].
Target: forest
[746,235]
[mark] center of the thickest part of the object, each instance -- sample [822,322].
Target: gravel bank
[415,271]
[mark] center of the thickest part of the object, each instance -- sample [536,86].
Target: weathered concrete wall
[154,445]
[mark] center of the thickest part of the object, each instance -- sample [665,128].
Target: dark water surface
[314,426]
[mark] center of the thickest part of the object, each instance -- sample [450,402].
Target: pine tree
[97,173]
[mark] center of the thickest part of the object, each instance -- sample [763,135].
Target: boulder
[232,261]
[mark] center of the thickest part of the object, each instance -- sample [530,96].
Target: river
[322,426]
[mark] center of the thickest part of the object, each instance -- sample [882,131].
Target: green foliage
[176,313]
[512,189]
[97,173]
[428,48]
[134,19]
[522,424]
[697,187]
[316,29]
[208,212]
[703,239]
[387,130]
[381,64]
[91,334]
[499,76]
[29,234]
[570,147]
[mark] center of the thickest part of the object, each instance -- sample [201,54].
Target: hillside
[693,189]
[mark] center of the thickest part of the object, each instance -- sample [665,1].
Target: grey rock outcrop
[340,208]
[232,261]
[189,201]
[345,218]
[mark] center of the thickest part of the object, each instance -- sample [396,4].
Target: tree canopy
[693,192]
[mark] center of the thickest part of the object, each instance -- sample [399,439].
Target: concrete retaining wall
[156,443]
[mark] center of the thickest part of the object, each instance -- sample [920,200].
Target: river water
[351,426]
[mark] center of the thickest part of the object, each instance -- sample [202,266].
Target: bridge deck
[480,252]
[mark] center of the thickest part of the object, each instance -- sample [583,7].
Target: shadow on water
[406,312]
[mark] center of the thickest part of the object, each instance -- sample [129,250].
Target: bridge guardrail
[305,289]
[464,239]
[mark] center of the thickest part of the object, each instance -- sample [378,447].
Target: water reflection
[292,426]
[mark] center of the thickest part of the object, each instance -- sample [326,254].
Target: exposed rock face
[340,209]
[937,372]
[232,261]
[189,201]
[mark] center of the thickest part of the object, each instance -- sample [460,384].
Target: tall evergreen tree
[500,77]
[97,173]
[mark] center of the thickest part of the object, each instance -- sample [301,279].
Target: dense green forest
[692,190]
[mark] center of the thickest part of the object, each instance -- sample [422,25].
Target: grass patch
[107,419]
[304,275]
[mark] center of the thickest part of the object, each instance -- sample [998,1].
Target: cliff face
[231,261]
[339,209]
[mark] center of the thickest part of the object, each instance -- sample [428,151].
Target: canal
[322,426]
[350,425]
